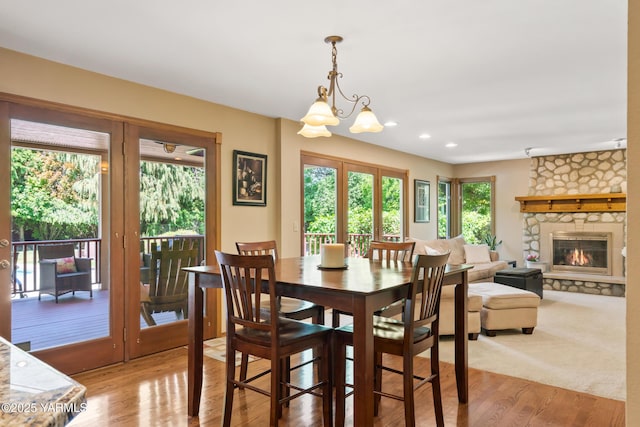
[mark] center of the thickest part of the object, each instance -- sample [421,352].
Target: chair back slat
[242,280]
[424,297]
[268,247]
[391,251]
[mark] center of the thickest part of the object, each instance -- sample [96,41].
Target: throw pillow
[456,246]
[66,265]
[477,254]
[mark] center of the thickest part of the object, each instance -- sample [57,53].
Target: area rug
[217,349]
[579,344]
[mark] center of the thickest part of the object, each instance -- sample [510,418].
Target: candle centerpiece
[332,255]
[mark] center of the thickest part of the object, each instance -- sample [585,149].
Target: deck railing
[358,243]
[24,271]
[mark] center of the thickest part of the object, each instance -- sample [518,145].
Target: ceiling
[495,77]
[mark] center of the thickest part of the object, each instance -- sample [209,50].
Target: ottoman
[529,279]
[506,307]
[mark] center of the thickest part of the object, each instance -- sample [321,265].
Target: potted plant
[533,261]
[492,241]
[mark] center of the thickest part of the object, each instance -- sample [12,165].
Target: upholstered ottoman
[506,307]
[447,313]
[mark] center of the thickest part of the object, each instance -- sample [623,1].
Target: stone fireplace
[581,246]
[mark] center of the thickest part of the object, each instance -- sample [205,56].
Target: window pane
[476,211]
[444,209]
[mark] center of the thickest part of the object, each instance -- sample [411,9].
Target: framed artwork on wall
[249,179]
[421,198]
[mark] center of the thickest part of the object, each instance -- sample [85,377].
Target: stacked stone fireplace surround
[581,173]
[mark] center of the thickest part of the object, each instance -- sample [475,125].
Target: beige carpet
[579,344]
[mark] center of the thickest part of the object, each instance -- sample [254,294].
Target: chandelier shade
[324,111]
[309,131]
[320,114]
[366,121]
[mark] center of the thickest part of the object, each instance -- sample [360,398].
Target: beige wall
[633,217]
[512,179]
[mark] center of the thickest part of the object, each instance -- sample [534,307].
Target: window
[476,208]
[444,208]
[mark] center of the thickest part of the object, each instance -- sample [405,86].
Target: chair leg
[146,315]
[409,399]
[244,366]
[326,375]
[228,397]
[435,385]
[339,372]
[377,382]
[276,408]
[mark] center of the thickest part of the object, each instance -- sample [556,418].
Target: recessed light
[424,136]
[391,123]
[451,144]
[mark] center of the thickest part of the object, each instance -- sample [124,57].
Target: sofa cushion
[476,254]
[438,246]
[485,270]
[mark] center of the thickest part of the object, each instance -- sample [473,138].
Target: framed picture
[421,200]
[249,179]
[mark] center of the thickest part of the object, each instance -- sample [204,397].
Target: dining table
[361,288]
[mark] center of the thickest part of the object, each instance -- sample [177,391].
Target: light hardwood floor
[152,391]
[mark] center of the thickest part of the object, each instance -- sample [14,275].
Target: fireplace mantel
[605,202]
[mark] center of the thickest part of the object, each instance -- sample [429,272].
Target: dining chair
[266,334]
[414,334]
[291,308]
[388,252]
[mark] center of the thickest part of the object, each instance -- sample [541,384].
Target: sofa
[485,264]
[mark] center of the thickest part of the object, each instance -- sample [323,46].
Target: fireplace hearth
[581,252]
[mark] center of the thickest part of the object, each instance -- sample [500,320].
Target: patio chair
[62,272]
[168,288]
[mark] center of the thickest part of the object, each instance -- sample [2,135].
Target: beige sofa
[485,264]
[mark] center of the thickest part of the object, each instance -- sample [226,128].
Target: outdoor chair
[266,334]
[62,272]
[406,338]
[168,288]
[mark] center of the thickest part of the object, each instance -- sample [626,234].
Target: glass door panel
[444,209]
[60,286]
[360,213]
[172,227]
[320,207]
[392,212]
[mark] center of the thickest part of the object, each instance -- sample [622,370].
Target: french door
[99,184]
[352,203]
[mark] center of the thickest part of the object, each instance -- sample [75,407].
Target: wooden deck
[43,324]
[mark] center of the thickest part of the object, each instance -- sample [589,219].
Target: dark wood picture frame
[249,178]
[421,200]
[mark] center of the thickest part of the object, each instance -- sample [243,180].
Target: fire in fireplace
[581,252]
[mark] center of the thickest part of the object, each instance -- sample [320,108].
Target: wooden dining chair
[266,334]
[406,338]
[388,252]
[290,308]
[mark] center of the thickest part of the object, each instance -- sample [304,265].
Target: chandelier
[321,114]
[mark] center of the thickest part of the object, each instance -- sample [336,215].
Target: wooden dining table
[362,288]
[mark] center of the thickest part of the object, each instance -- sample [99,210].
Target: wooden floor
[152,391]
